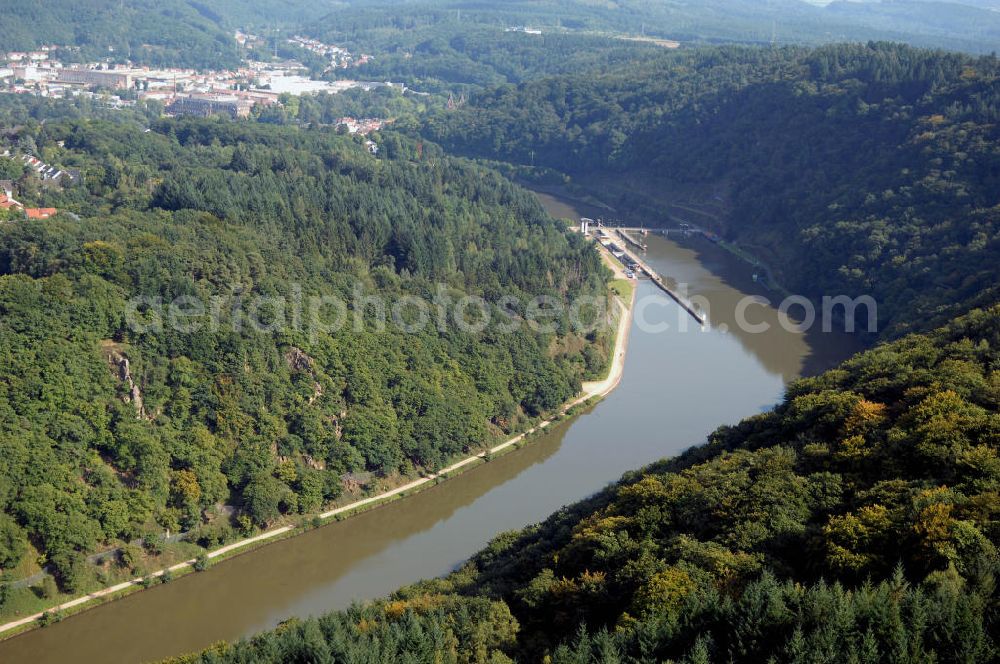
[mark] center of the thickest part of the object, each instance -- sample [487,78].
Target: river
[677,387]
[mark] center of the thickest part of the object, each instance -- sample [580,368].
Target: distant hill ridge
[159,32]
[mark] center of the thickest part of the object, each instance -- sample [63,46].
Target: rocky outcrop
[299,360]
[134,395]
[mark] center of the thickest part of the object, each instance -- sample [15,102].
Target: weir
[655,277]
[684,303]
[693,381]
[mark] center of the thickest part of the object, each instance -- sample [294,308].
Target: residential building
[6,202]
[40,213]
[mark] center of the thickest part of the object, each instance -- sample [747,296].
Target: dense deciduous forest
[185,33]
[268,419]
[455,58]
[198,33]
[158,33]
[327,109]
[962,25]
[857,522]
[853,169]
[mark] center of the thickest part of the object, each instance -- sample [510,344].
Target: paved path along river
[677,387]
[590,390]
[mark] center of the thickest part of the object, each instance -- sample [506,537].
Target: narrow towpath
[589,391]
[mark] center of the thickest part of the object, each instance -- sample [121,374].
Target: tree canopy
[118,418]
[856,522]
[849,169]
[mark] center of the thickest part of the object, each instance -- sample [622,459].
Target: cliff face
[120,364]
[299,361]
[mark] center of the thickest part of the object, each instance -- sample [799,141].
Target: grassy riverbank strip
[592,391]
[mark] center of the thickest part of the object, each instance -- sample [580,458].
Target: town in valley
[235,93]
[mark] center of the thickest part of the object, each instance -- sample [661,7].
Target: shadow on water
[714,265]
[323,569]
[677,388]
[711,271]
[558,204]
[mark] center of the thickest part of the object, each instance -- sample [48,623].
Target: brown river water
[677,387]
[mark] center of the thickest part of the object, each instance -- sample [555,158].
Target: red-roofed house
[40,213]
[7,202]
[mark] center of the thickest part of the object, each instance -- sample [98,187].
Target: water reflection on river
[677,387]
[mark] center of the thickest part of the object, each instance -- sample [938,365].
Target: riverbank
[590,391]
[677,388]
[589,198]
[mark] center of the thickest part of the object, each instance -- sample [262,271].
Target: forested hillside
[199,33]
[166,32]
[857,522]
[854,169]
[157,33]
[117,421]
[445,45]
[959,25]
[453,57]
